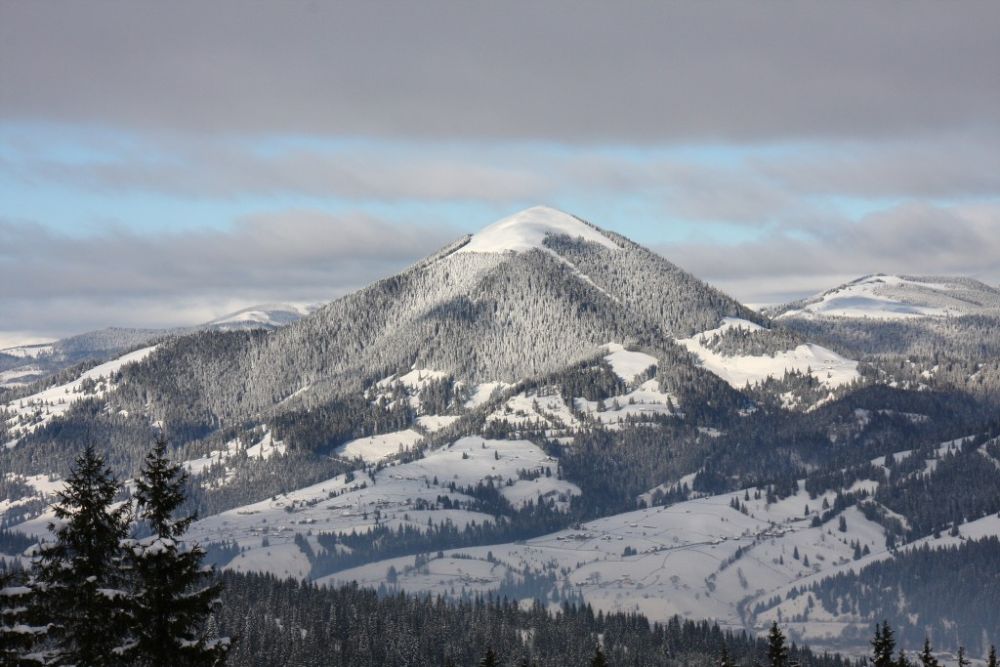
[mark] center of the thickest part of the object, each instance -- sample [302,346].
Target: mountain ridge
[891,296]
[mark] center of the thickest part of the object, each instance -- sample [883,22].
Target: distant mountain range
[547,410]
[881,296]
[24,364]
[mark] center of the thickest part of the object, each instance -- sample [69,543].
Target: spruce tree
[172,599]
[724,659]
[962,660]
[882,646]
[598,660]
[489,660]
[777,652]
[78,576]
[992,660]
[927,658]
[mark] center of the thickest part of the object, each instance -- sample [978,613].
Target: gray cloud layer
[747,189]
[570,71]
[914,239]
[880,102]
[60,284]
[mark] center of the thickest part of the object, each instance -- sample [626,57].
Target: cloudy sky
[163,163]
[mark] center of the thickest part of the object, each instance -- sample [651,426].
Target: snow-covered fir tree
[172,597]
[78,580]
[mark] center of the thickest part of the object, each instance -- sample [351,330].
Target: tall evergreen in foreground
[95,598]
[926,657]
[78,579]
[882,646]
[172,596]
[777,652]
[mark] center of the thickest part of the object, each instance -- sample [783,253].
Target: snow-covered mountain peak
[268,315]
[528,229]
[886,297]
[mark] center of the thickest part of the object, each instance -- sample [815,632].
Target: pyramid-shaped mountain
[525,296]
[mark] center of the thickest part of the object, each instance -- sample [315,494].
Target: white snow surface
[627,364]
[433,423]
[374,448]
[28,351]
[831,369]
[482,393]
[527,230]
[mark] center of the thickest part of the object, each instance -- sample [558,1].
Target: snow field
[831,369]
[377,447]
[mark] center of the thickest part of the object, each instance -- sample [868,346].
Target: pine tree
[598,660]
[927,658]
[882,646]
[962,660]
[724,659]
[172,600]
[992,660]
[777,652]
[78,576]
[489,660]
[902,660]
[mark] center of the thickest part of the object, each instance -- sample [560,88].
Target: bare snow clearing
[831,369]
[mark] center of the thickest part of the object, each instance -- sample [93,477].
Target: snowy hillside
[736,558]
[881,296]
[739,370]
[29,363]
[34,411]
[408,494]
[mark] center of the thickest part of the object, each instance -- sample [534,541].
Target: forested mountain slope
[478,310]
[25,364]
